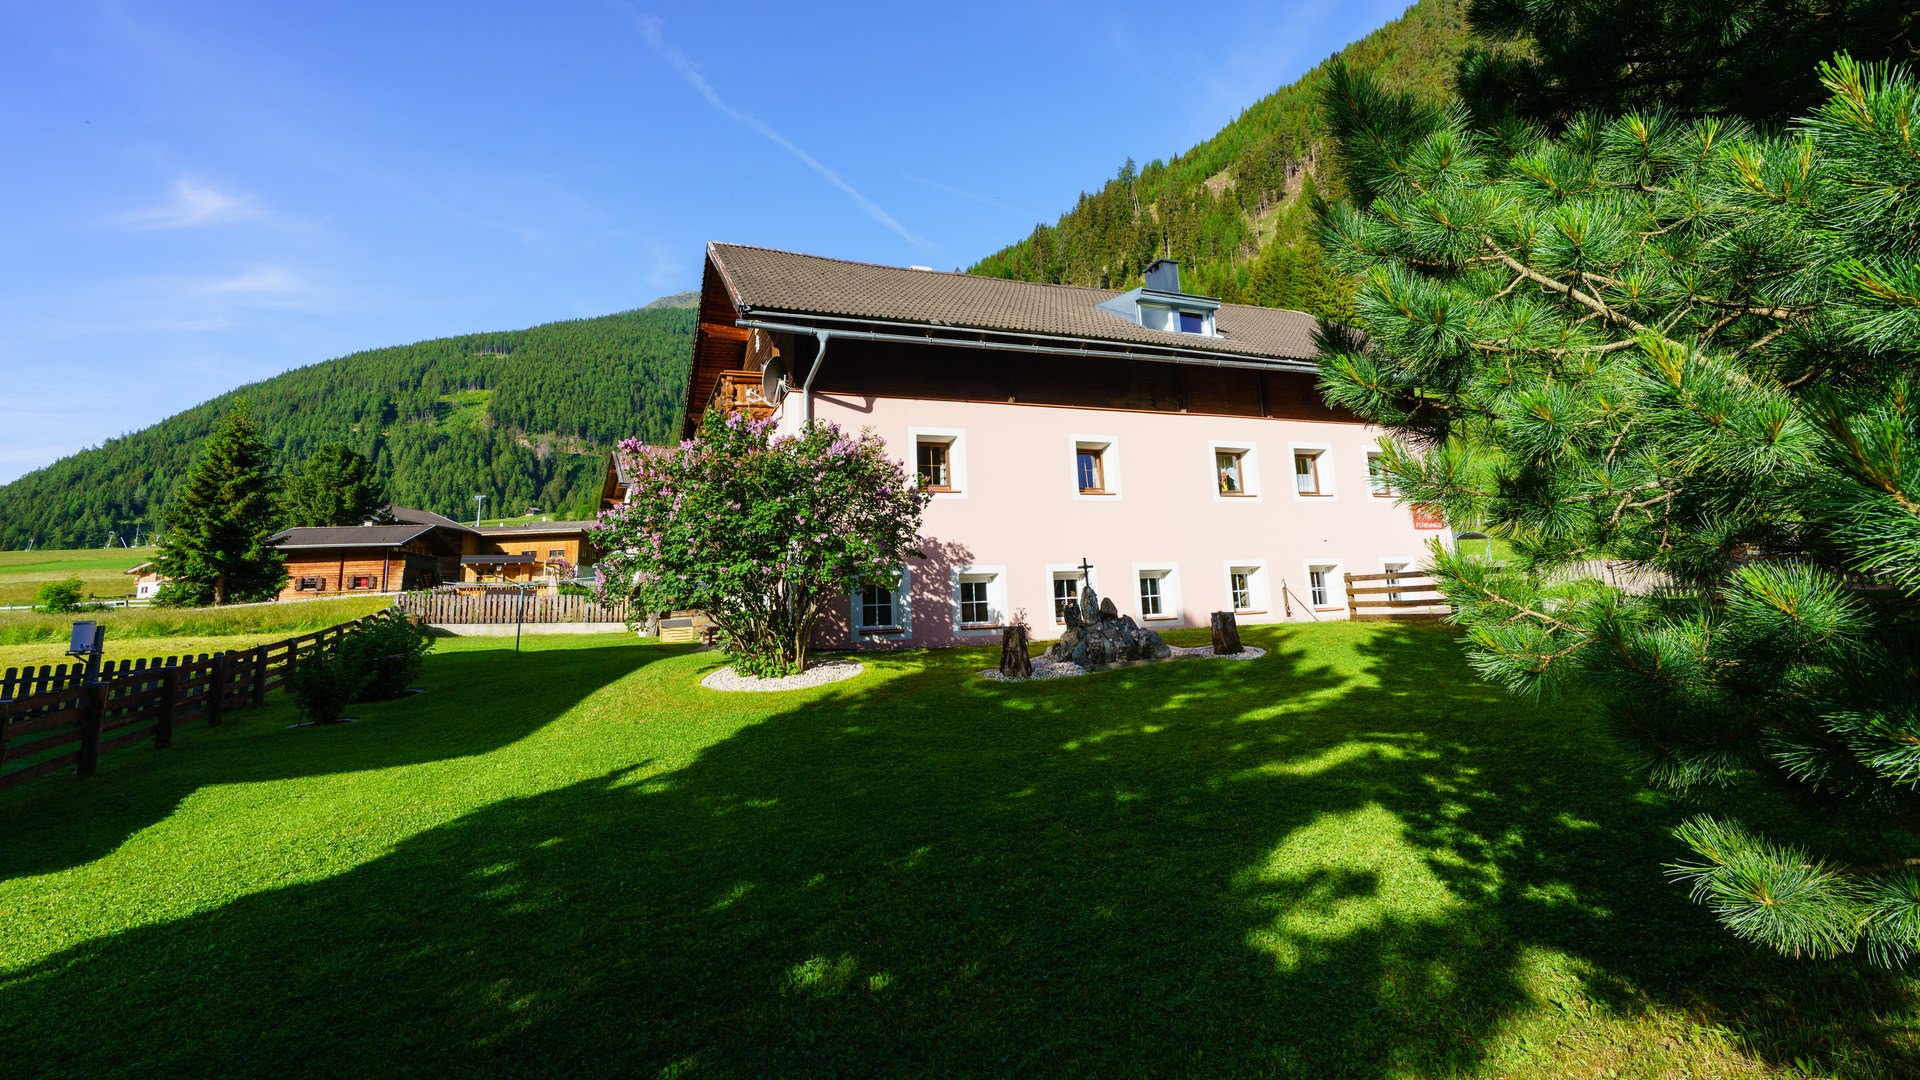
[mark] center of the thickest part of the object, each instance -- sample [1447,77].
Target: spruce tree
[336,486]
[215,550]
[1687,351]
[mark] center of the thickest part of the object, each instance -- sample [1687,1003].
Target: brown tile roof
[348,536]
[536,528]
[407,515]
[764,281]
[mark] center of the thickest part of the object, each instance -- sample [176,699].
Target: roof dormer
[1160,305]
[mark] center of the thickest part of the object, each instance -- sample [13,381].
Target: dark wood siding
[878,369]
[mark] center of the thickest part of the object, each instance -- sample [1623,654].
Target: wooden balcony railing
[739,392]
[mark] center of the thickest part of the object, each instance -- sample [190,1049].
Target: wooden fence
[51,718]
[1627,577]
[504,606]
[1402,595]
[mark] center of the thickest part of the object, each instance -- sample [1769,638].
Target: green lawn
[1348,858]
[100,569]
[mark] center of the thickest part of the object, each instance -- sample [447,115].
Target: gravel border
[830,671]
[1044,668]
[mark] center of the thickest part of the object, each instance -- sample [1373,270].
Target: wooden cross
[1086,571]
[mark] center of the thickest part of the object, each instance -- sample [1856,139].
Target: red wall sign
[1428,518]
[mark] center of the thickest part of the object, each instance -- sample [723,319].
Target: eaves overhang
[958,336]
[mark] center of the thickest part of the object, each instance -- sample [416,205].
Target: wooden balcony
[739,392]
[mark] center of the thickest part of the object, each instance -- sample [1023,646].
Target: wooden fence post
[163,722]
[90,720]
[217,688]
[260,675]
[1353,606]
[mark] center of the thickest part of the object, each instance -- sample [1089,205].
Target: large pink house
[1170,447]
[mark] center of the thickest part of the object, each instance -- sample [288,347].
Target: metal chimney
[1163,276]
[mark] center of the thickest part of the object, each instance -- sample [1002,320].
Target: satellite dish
[773,381]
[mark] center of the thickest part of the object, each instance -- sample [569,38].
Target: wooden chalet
[417,550]
[553,550]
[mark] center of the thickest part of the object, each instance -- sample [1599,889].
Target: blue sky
[198,195]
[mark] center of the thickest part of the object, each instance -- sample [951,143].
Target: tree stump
[1226,634]
[1014,661]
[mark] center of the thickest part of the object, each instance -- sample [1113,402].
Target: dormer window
[1161,305]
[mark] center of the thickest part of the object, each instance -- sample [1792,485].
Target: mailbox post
[88,642]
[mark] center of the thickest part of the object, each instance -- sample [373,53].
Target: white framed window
[1325,589]
[1312,468]
[1156,590]
[876,608]
[1378,482]
[1248,588]
[940,461]
[976,608]
[1096,467]
[1177,320]
[1063,584]
[881,611]
[979,599]
[1235,471]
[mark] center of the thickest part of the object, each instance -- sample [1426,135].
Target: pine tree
[1752,59]
[215,549]
[336,486]
[1691,350]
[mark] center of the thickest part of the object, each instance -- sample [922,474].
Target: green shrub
[387,650]
[324,681]
[60,597]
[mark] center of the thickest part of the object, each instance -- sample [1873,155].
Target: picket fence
[443,608]
[52,718]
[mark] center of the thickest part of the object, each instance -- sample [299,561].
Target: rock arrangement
[1098,635]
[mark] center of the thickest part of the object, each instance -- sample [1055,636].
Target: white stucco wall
[1020,516]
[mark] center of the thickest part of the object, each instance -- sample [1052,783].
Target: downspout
[806,388]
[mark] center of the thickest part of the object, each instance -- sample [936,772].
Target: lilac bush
[759,531]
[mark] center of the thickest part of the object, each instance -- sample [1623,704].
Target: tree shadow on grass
[475,702]
[1277,867]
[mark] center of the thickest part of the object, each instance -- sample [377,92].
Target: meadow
[102,571]
[1346,858]
[272,621]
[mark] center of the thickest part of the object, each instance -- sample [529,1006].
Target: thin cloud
[650,27]
[259,281]
[196,205]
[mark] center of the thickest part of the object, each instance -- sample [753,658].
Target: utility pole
[478,501]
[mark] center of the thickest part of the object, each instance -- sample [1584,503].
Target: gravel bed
[1044,668]
[818,675]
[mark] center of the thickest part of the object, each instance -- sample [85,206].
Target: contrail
[984,200]
[650,27]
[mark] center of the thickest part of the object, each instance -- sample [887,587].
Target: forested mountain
[525,417]
[1235,209]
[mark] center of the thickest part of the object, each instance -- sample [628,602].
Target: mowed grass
[101,571]
[256,620]
[1346,858]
